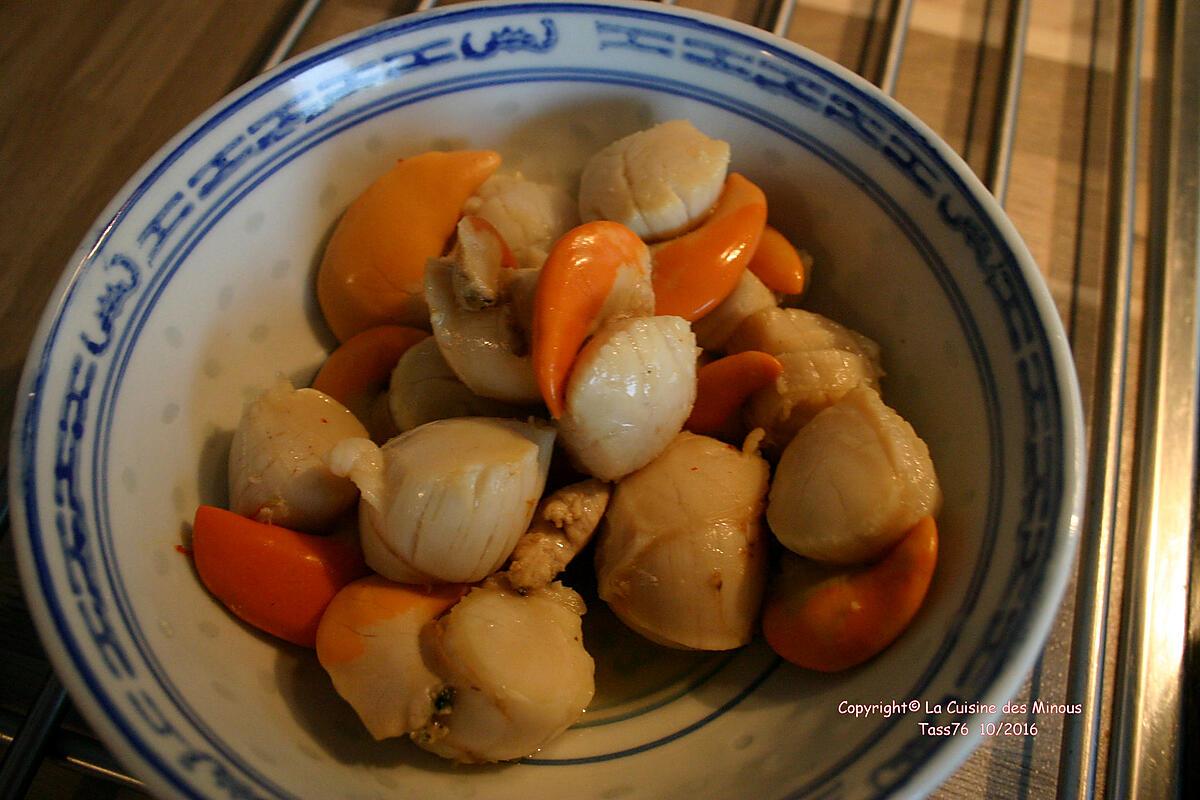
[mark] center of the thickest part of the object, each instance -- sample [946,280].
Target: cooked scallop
[852,482]
[277,472]
[629,393]
[424,389]
[777,331]
[515,672]
[530,216]
[487,348]
[447,501]
[749,297]
[369,641]
[659,182]
[822,361]
[812,381]
[681,557]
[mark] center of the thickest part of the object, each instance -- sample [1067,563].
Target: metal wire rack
[1129,620]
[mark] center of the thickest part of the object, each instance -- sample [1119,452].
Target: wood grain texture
[92,88]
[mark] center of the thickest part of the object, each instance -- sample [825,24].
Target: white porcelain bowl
[196,288]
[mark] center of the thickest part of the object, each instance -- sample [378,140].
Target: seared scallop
[514,669]
[277,472]
[369,641]
[812,380]
[681,557]
[659,182]
[777,330]
[852,482]
[530,216]
[822,361]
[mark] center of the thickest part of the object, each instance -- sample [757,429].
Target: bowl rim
[1041,612]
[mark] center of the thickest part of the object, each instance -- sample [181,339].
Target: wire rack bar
[1004,126]
[1080,756]
[287,41]
[893,51]
[1150,678]
[77,750]
[775,15]
[25,752]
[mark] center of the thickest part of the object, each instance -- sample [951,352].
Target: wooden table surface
[91,88]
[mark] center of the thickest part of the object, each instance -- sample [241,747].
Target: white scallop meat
[423,389]
[447,501]
[777,330]
[629,392]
